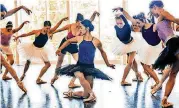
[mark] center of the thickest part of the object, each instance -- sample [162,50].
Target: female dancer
[5,37]
[150,35]
[4,13]
[85,64]
[37,49]
[126,44]
[72,48]
[170,55]
[12,72]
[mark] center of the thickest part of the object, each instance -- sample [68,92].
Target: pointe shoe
[155,89]
[6,78]
[39,81]
[21,86]
[91,98]
[166,104]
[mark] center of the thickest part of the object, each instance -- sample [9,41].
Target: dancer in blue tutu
[85,65]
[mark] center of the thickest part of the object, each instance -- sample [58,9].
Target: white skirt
[33,53]
[6,50]
[148,54]
[121,48]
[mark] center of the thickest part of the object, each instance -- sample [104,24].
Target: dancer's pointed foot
[53,80]
[166,104]
[72,85]
[124,83]
[39,81]
[91,98]
[6,78]
[21,86]
[156,88]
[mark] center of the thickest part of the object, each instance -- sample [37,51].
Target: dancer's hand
[58,52]
[51,36]
[25,22]
[65,19]
[16,38]
[111,66]
[28,11]
[97,13]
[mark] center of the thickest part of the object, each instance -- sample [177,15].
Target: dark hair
[9,24]
[140,16]
[79,17]
[88,24]
[47,23]
[157,3]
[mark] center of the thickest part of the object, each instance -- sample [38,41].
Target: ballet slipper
[155,89]
[6,78]
[166,104]
[123,83]
[91,98]
[53,80]
[154,85]
[72,85]
[39,81]
[22,77]
[21,86]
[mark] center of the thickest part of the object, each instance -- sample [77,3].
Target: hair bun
[88,24]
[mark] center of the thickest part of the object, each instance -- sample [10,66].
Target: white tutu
[148,54]
[30,52]
[6,49]
[121,48]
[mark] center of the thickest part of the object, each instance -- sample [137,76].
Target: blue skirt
[168,55]
[86,69]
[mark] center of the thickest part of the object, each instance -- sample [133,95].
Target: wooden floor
[109,94]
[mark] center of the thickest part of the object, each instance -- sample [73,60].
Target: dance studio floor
[109,94]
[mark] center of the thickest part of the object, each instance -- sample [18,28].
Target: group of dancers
[158,49]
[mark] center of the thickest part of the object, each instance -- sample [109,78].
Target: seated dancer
[4,13]
[72,48]
[126,44]
[85,65]
[12,72]
[152,47]
[37,49]
[5,37]
[170,55]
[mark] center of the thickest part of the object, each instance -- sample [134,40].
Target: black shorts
[72,48]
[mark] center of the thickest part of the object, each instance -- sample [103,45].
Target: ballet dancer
[85,64]
[5,37]
[37,49]
[5,13]
[72,48]
[170,55]
[126,44]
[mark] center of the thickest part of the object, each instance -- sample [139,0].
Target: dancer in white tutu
[5,37]
[127,42]
[37,50]
[73,30]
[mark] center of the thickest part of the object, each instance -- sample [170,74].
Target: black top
[124,33]
[150,37]
[41,40]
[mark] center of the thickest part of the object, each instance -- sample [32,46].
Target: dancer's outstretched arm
[58,24]
[65,44]
[20,27]
[26,34]
[103,53]
[62,29]
[168,16]
[13,11]
[94,15]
